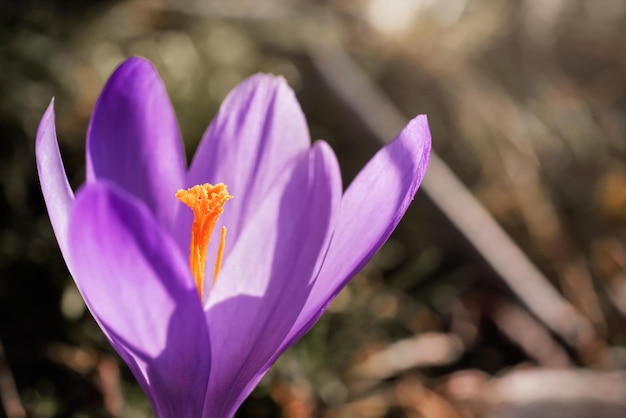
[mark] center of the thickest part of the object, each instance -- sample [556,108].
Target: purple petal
[139,289]
[370,210]
[134,141]
[259,128]
[268,276]
[54,185]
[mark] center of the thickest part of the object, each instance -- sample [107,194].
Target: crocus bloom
[293,241]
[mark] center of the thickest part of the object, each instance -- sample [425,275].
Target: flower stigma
[207,203]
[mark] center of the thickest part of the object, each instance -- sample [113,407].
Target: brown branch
[531,336]
[413,395]
[423,350]
[8,390]
[110,386]
[567,385]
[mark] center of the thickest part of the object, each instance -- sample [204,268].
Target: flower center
[207,203]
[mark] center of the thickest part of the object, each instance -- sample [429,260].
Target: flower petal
[139,289]
[56,190]
[259,128]
[370,210]
[268,276]
[134,141]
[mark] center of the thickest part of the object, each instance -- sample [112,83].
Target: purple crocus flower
[294,238]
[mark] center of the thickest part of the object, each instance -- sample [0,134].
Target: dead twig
[11,402]
[558,393]
[413,395]
[531,336]
[423,350]
[110,386]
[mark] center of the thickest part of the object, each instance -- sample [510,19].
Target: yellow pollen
[207,203]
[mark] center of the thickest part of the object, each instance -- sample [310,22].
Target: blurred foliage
[526,102]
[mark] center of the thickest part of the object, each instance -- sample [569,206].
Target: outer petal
[56,189]
[267,278]
[134,141]
[140,291]
[259,128]
[370,210]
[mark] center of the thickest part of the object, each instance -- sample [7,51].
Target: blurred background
[454,317]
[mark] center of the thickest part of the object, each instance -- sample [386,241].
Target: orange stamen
[207,203]
[220,254]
